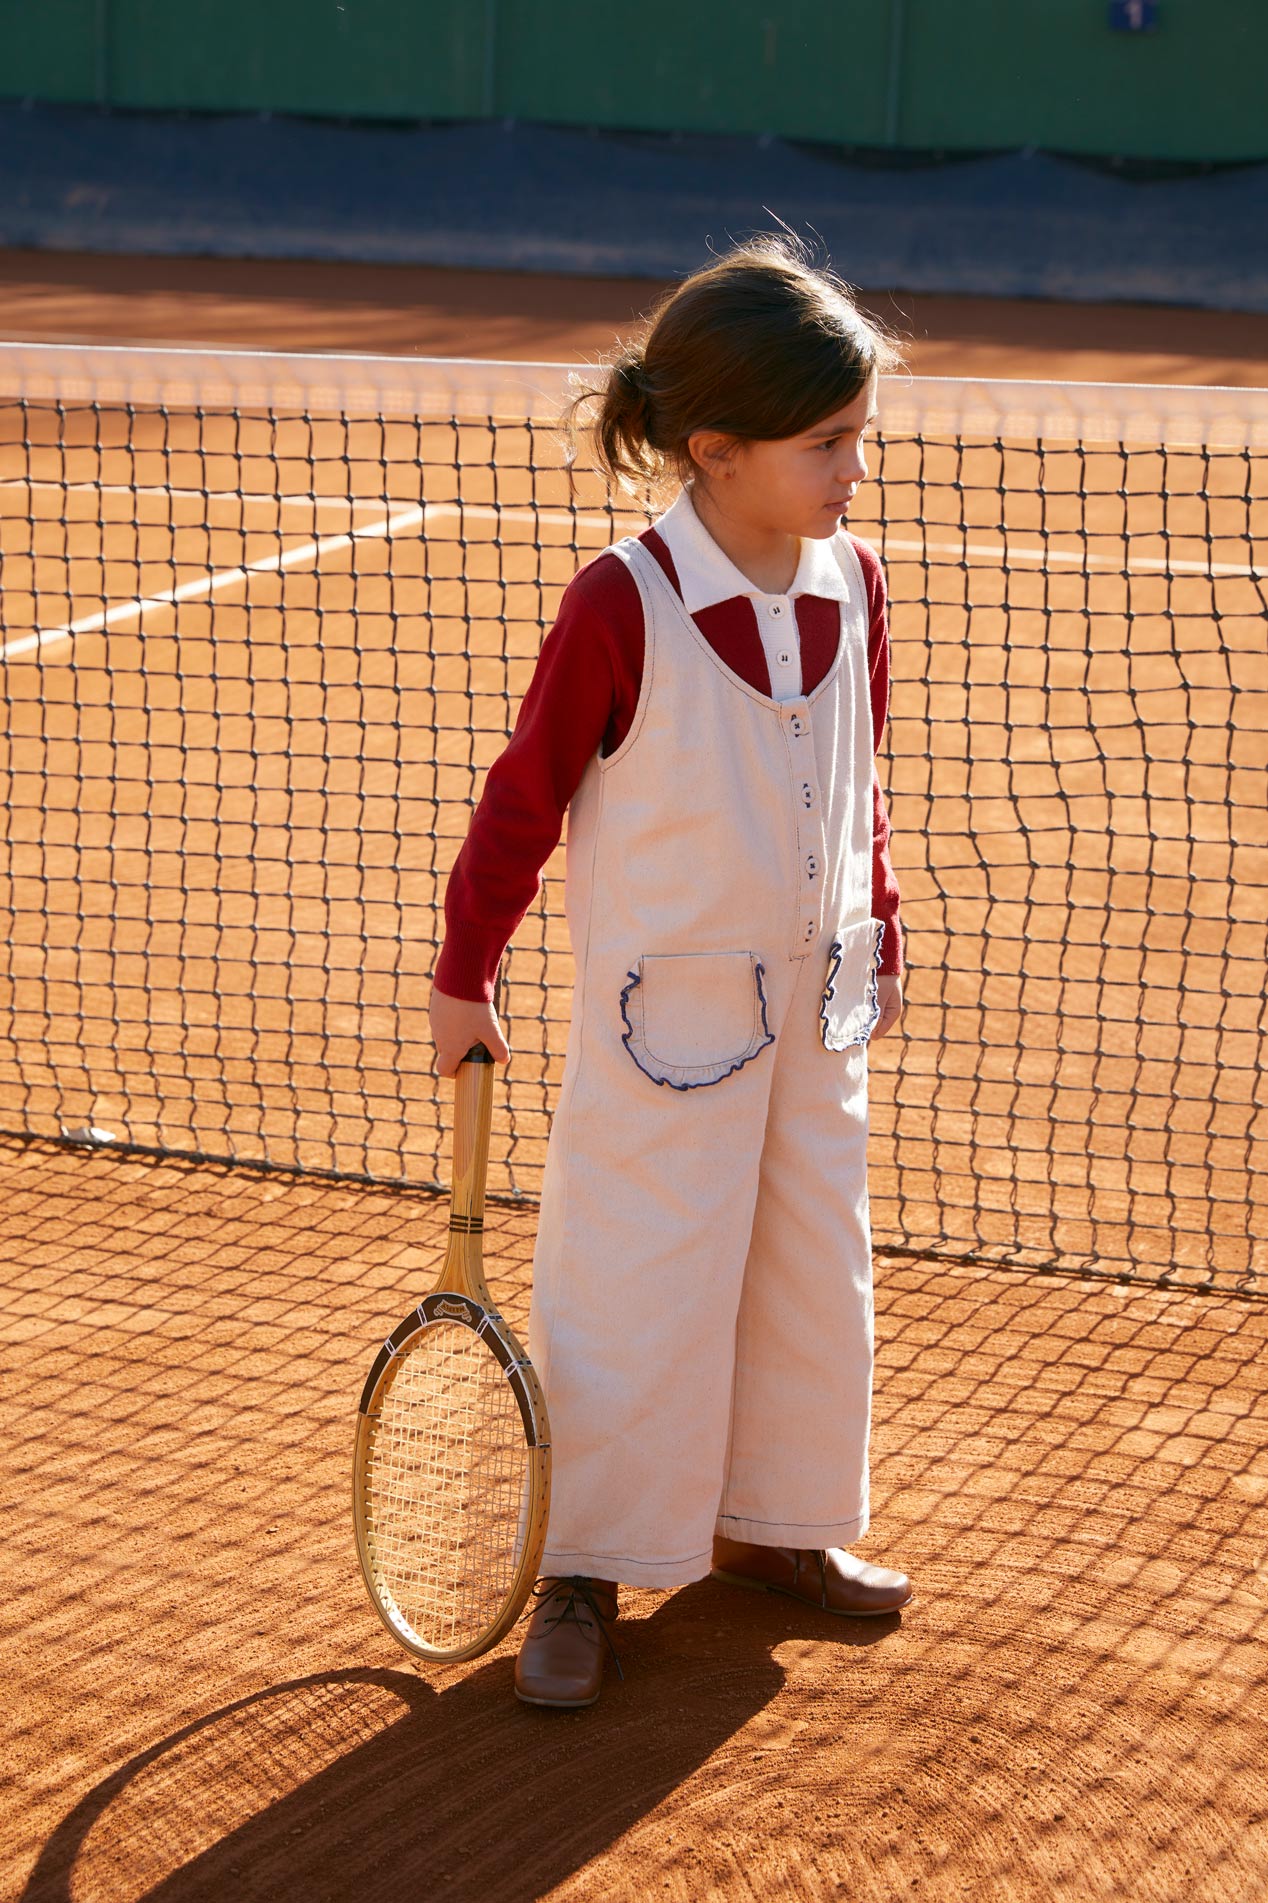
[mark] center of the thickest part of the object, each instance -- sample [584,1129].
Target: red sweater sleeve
[884,884]
[581,699]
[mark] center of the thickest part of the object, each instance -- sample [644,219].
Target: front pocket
[851,1006]
[692,1018]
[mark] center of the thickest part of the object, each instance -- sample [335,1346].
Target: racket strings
[447,1487]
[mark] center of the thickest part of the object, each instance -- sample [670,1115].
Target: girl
[707,708]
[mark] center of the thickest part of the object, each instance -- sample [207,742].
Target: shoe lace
[573,1589]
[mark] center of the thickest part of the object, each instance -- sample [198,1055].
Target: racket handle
[473,1116]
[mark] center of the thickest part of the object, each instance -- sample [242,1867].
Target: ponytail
[624,429]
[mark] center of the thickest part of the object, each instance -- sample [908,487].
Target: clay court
[224,889]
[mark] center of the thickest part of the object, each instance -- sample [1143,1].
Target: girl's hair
[762,344]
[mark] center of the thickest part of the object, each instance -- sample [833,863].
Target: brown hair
[763,344]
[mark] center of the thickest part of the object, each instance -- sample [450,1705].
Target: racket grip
[473,1115]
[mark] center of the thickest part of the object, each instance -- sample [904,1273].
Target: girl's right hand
[457,1024]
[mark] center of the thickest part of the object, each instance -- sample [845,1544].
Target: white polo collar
[707,576]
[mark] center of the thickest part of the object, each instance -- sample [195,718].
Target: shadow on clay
[312,1788]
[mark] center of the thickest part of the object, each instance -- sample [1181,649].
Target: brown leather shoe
[829,1578]
[561,1660]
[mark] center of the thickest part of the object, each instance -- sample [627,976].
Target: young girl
[707,709]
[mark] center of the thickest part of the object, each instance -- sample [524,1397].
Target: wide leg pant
[702,1301]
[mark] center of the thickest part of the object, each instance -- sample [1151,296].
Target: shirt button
[784,658]
[777,608]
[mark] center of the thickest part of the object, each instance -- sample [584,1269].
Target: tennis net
[266,620]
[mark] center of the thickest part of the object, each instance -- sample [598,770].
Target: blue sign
[1133,16]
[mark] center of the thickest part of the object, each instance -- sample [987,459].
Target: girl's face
[796,485]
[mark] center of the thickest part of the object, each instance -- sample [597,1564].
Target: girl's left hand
[889,993]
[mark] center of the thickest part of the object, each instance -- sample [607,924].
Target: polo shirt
[583,697]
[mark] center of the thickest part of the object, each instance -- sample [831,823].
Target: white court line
[201,495]
[294,501]
[1081,558]
[566,518]
[205,585]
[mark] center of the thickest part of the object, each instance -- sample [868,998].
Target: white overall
[702,1297]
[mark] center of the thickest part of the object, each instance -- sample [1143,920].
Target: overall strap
[653,583]
[849,564]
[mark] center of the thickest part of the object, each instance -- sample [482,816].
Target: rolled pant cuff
[780,1533]
[658,1574]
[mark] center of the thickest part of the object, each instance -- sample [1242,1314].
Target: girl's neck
[767,557]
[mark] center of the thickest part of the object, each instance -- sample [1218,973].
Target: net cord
[1175,416]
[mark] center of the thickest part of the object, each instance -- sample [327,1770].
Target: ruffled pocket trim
[692,1019]
[851,1008]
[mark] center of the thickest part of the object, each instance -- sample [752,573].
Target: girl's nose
[854,467]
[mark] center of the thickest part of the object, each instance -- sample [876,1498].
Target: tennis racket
[452,1470]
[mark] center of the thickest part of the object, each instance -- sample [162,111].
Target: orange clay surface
[530,318]
[205,1706]
[202,1702]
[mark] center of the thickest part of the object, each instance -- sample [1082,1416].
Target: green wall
[948,74]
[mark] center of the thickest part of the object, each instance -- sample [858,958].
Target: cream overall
[702,1298]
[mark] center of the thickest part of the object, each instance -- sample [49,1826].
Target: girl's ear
[712,452]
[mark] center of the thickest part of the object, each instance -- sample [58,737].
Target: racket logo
[451,1311]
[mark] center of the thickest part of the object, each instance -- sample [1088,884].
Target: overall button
[807,793]
[812,865]
[810,930]
[798,725]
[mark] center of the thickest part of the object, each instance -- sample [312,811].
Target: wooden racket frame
[462,1295]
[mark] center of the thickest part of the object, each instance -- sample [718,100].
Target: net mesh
[266,622]
[446,1489]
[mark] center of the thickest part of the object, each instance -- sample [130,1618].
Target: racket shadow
[312,1788]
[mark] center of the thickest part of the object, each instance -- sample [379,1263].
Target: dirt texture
[526,317]
[207,1707]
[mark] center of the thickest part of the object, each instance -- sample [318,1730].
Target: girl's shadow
[316,1787]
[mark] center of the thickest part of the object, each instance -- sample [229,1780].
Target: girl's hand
[889,993]
[457,1024]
